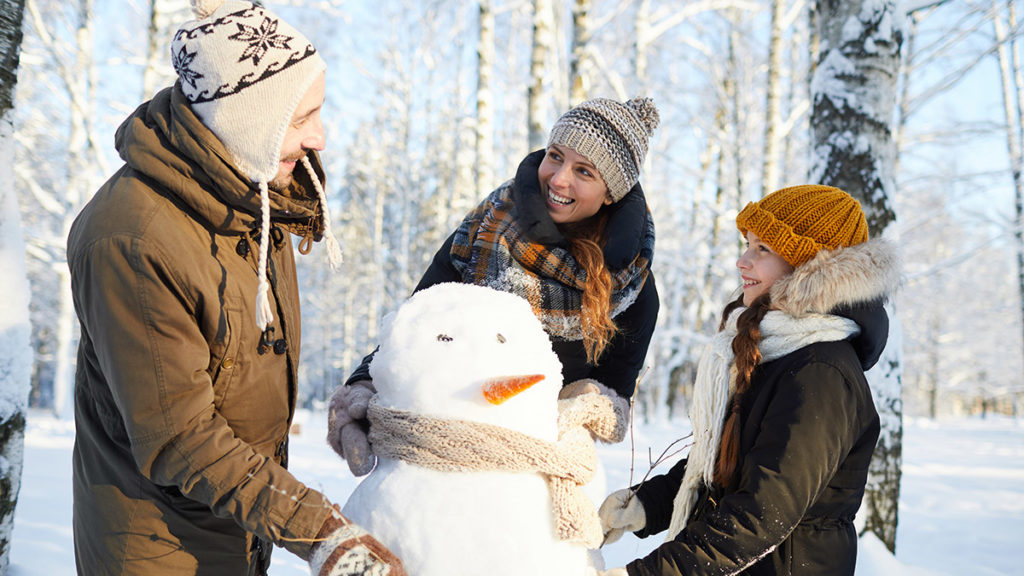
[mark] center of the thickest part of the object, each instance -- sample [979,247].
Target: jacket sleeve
[621,363]
[440,270]
[139,312]
[806,431]
[654,494]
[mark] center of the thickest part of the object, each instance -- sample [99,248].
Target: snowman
[477,473]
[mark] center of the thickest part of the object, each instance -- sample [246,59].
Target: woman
[571,233]
[784,425]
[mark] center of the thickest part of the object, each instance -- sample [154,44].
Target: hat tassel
[264,314]
[334,255]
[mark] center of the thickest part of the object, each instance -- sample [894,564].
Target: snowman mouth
[498,390]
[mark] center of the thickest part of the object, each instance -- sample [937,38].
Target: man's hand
[344,548]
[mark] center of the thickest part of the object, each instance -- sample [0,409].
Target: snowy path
[961,512]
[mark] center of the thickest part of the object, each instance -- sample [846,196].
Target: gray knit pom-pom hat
[611,134]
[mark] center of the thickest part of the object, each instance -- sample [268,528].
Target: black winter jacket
[809,428]
[622,361]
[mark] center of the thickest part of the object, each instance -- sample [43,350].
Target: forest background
[432,104]
[404,119]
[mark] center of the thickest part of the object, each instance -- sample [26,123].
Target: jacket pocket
[224,351]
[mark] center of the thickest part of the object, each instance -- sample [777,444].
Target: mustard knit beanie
[799,221]
[613,135]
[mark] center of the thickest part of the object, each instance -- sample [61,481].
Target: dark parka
[181,420]
[621,362]
[809,428]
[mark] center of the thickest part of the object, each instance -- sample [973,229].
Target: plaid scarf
[498,245]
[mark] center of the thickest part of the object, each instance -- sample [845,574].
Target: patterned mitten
[345,549]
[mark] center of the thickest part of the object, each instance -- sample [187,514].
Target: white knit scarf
[781,334]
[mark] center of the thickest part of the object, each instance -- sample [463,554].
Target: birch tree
[773,104]
[543,43]
[1013,110]
[485,101]
[164,16]
[68,56]
[854,96]
[15,351]
[581,32]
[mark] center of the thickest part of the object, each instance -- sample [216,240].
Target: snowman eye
[444,338]
[501,339]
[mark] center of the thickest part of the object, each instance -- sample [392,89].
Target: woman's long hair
[747,357]
[586,242]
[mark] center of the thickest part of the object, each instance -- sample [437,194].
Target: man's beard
[281,184]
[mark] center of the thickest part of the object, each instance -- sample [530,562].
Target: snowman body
[438,353]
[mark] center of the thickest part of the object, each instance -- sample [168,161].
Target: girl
[571,233]
[784,425]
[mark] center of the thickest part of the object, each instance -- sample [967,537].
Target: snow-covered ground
[961,503]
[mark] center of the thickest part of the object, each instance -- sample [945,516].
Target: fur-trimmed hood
[852,282]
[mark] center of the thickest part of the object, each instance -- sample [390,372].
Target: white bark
[854,97]
[1009,76]
[773,101]
[543,41]
[578,77]
[15,329]
[485,179]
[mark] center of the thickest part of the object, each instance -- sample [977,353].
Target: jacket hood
[165,141]
[627,223]
[852,282]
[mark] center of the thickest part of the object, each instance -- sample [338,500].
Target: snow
[435,364]
[961,503]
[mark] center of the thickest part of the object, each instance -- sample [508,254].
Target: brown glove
[343,548]
[348,428]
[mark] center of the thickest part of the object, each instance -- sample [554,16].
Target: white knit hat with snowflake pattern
[244,71]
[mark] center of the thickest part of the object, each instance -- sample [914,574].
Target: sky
[961,499]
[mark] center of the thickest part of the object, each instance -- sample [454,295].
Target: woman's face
[572,187]
[759,267]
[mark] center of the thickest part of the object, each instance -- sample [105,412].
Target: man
[184,282]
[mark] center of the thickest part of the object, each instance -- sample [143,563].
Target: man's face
[305,132]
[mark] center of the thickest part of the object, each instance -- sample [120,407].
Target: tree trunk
[773,100]
[854,97]
[1009,74]
[543,39]
[578,79]
[485,103]
[15,329]
[163,14]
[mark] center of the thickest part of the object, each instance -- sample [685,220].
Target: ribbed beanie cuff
[799,221]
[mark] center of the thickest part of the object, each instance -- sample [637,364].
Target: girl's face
[759,267]
[572,187]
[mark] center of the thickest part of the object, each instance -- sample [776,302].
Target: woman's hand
[348,426]
[620,512]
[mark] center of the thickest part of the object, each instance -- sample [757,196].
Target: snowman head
[471,353]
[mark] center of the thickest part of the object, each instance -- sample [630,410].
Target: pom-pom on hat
[613,135]
[244,71]
[799,221]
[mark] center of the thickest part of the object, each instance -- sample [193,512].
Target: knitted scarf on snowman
[715,385]
[450,445]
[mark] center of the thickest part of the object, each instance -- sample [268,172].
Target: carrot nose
[498,390]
